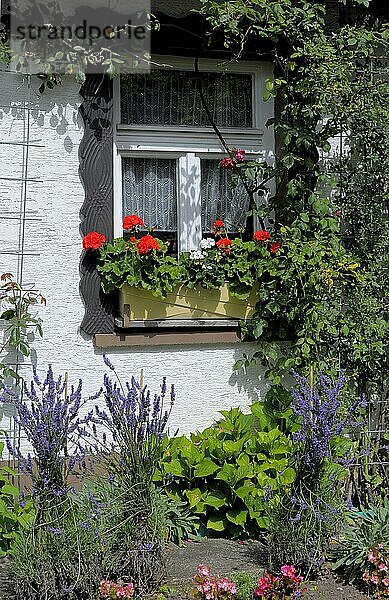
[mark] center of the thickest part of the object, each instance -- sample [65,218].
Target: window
[166,156]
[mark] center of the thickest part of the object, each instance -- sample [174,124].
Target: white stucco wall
[203,375]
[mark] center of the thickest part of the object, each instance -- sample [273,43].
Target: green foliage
[332,192]
[17,302]
[16,512]
[289,307]
[246,263]
[181,524]
[120,263]
[224,472]
[363,529]
[61,559]
[245,585]
[87,540]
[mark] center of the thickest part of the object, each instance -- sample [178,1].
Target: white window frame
[190,144]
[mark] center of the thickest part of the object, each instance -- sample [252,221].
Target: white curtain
[220,199]
[150,191]
[172,98]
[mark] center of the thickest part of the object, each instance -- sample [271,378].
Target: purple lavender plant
[50,421]
[322,417]
[307,518]
[135,424]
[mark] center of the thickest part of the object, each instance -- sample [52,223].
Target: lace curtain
[149,190]
[220,199]
[172,98]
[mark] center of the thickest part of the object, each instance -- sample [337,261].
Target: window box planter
[185,303]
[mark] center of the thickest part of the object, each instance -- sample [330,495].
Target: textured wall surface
[40,240]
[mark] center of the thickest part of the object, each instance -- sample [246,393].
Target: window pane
[172,98]
[150,191]
[220,199]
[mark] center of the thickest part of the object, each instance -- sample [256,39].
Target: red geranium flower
[261,236]
[132,239]
[275,247]
[93,240]
[131,221]
[227,163]
[224,244]
[218,225]
[147,243]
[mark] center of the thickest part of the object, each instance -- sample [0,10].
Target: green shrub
[245,585]
[363,529]
[228,472]
[16,512]
[60,560]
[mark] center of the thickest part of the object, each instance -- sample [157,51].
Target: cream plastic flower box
[184,303]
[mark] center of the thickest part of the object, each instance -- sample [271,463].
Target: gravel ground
[225,557]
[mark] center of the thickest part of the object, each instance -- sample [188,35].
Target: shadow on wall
[55,109]
[251,383]
[252,380]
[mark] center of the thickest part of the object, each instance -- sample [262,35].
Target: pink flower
[383,567]
[227,163]
[374,579]
[240,155]
[371,557]
[385,581]
[203,570]
[288,570]
[366,576]
[264,583]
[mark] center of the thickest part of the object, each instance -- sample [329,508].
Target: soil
[225,557]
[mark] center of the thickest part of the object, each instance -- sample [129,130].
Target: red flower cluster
[239,156]
[93,241]
[224,244]
[218,227]
[287,585]
[265,584]
[275,247]
[261,236]
[131,221]
[147,243]
[109,589]
[227,163]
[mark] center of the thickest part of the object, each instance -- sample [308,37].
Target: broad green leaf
[216,524]
[238,517]
[194,497]
[215,499]
[10,490]
[205,468]
[227,474]
[287,476]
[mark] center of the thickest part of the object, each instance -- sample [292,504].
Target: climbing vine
[327,197]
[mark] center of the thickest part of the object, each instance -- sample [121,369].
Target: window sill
[161,335]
